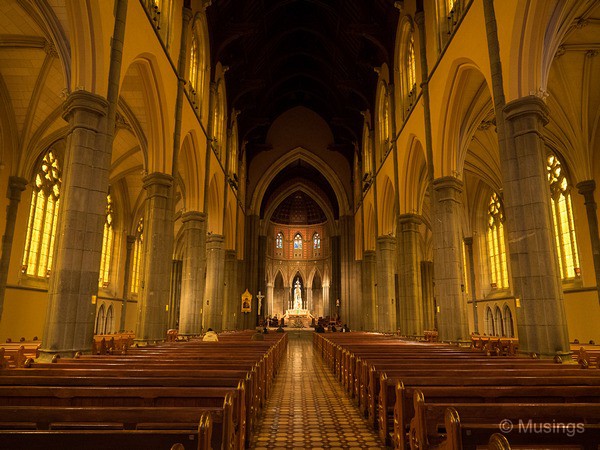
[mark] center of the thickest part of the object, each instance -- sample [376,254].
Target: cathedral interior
[413,165]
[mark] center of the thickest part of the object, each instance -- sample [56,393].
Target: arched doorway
[279,296]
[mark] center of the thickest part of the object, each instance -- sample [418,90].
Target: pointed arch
[214,208]
[229,225]
[370,232]
[415,181]
[469,102]
[301,154]
[100,320]
[387,208]
[143,91]
[190,168]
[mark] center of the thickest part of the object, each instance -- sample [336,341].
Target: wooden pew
[32,428]
[143,376]
[469,425]
[15,354]
[404,410]
[381,401]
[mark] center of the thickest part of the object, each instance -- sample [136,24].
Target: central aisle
[308,408]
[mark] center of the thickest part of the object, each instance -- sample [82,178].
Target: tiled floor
[307,407]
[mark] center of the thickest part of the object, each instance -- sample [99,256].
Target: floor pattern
[308,408]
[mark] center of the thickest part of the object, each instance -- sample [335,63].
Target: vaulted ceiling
[316,53]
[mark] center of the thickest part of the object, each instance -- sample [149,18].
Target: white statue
[297,296]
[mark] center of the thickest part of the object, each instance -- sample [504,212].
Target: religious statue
[297,296]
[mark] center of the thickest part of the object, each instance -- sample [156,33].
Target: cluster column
[386,285]
[369,310]
[410,301]
[69,324]
[449,286]
[16,185]
[536,281]
[157,251]
[194,270]
[587,188]
[232,299]
[215,280]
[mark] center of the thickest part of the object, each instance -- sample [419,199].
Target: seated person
[320,329]
[265,330]
[280,329]
[258,336]
[345,328]
[210,336]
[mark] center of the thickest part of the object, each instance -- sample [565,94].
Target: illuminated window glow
[107,245]
[193,72]
[465,267]
[562,215]
[137,257]
[316,241]
[297,241]
[496,245]
[411,66]
[279,240]
[43,219]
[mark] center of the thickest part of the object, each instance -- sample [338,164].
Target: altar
[298,318]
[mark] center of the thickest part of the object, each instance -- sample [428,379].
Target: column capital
[468,240]
[448,184]
[215,240]
[526,107]
[586,187]
[386,242]
[16,185]
[130,240]
[84,101]
[230,254]
[409,219]
[193,216]
[187,14]
[157,184]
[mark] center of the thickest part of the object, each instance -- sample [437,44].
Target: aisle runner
[308,408]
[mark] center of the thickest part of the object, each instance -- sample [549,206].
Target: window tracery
[43,218]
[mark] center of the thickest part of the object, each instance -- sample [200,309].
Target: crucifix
[259,296]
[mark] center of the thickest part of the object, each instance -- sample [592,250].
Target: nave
[307,407]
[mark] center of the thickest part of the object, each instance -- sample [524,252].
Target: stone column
[327,310]
[157,261]
[232,301]
[215,282]
[309,300]
[447,260]
[16,185]
[536,280]
[471,281]
[193,273]
[129,241]
[586,188]
[69,324]
[427,289]
[270,300]
[386,290]
[368,306]
[411,302]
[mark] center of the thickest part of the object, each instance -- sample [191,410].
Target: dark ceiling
[316,53]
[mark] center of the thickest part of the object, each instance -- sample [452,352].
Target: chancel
[421,172]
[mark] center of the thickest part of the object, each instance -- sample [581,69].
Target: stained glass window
[411,66]
[279,240]
[297,241]
[137,257]
[562,215]
[316,241]
[193,72]
[43,218]
[107,245]
[496,245]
